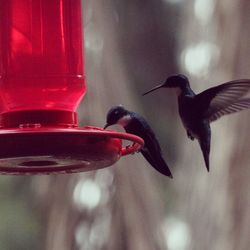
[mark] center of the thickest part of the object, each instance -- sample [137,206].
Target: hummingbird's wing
[151,150]
[235,107]
[224,99]
[157,162]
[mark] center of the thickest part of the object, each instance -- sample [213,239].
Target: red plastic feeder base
[61,150]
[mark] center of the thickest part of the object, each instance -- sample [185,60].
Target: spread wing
[235,107]
[224,99]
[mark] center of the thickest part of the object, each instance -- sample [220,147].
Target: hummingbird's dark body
[197,111]
[192,116]
[135,124]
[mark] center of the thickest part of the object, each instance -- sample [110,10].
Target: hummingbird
[135,124]
[197,111]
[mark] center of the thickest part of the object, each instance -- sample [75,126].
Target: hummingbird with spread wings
[197,111]
[135,124]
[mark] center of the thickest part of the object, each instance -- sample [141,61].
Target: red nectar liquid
[41,65]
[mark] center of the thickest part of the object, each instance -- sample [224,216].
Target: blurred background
[130,46]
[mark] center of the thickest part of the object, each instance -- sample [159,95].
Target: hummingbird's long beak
[153,89]
[106,126]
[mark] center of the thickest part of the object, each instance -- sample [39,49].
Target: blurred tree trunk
[240,159]
[60,214]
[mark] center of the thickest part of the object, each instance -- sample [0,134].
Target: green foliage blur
[19,219]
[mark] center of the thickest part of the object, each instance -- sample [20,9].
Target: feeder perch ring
[28,151]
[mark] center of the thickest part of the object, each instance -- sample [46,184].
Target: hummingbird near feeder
[135,124]
[197,111]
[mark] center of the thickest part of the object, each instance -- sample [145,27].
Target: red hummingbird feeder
[41,85]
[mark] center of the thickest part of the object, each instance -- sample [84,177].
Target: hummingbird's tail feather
[159,164]
[205,148]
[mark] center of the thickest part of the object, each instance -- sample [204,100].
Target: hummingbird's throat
[178,91]
[124,121]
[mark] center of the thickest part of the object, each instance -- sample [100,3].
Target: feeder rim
[137,141]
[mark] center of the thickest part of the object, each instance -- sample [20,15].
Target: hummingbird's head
[175,81]
[117,115]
